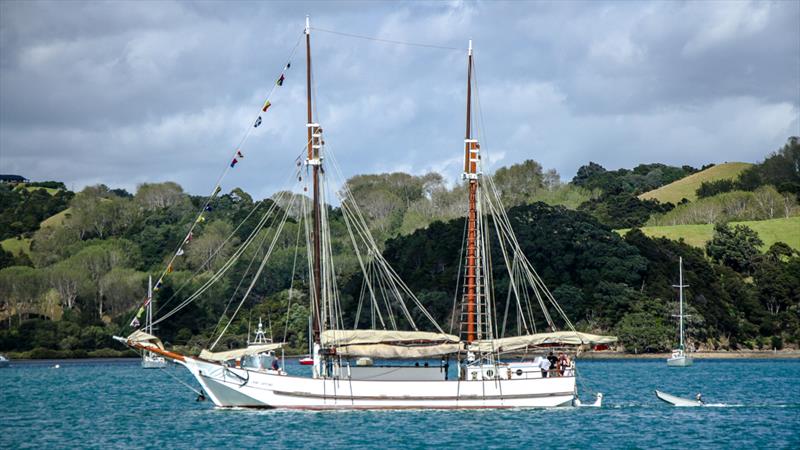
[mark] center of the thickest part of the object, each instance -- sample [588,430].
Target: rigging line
[230,261]
[222,175]
[241,281]
[389,41]
[257,275]
[198,271]
[291,283]
[226,266]
[458,280]
[219,273]
[166,371]
[276,201]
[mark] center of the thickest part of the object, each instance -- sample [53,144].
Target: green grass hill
[770,231]
[686,187]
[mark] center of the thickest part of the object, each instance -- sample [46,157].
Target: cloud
[124,93]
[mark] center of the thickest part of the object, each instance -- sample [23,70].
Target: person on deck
[553,364]
[544,365]
[564,363]
[275,365]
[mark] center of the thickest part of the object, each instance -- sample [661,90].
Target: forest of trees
[85,276]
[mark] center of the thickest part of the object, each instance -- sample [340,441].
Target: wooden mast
[313,159]
[470,173]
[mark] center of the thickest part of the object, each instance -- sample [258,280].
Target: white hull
[153,362]
[677,401]
[679,359]
[229,387]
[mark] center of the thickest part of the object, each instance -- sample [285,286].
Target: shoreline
[748,354]
[602,355]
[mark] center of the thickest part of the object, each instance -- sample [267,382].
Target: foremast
[313,159]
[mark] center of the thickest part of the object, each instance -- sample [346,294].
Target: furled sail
[238,353]
[514,343]
[391,344]
[145,339]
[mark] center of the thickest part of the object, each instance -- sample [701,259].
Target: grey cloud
[128,92]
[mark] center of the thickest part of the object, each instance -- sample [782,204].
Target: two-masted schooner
[369,368]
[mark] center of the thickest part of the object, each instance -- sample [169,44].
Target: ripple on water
[101,404]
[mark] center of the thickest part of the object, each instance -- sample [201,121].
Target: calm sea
[102,404]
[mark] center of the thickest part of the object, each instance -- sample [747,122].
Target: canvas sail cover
[513,343]
[239,352]
[390,344]
[145,339]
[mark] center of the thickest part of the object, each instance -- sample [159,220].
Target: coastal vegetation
[74,266]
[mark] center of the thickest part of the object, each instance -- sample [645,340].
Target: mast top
[308,25]
[469,50]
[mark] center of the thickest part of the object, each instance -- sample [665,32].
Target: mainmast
[314,160]
[471,158]
[680,297]
[680,287]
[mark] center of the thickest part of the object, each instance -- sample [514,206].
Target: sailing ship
[372,368]
[151,360]
[679,358]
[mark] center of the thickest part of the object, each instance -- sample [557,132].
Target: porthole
[519,372]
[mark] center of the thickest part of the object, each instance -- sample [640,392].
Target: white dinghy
[680,401]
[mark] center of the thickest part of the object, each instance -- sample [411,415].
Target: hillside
[770,231]
[686,187]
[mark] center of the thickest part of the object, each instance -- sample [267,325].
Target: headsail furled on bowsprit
[357,368]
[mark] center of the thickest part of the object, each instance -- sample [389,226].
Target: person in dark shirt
[553,364]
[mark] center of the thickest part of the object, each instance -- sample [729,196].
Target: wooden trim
[165,353]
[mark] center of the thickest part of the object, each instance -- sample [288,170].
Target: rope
[199,393]
[217,185]
[388,41]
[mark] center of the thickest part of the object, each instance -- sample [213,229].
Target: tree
[519,183]
[121,289]
[20,289]
[52,244]
[712,188]
[644,332]
[152,196]
[735,247]
[69,281]
[212,247]
[101,258]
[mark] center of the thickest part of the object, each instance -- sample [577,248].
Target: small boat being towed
[680,401]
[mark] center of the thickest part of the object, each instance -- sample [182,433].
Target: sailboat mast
[314,160]
[470,173]
[680,297]
[149,326]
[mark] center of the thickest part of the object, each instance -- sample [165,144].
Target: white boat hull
[679,359]
[677,401]
[153,362]
[231,387]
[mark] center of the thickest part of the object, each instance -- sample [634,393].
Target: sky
[123,93]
